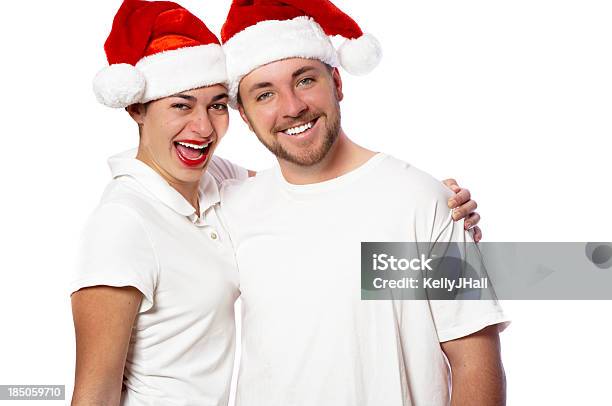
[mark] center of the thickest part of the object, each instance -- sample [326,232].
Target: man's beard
[309,156]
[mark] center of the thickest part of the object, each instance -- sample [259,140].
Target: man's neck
[343,157]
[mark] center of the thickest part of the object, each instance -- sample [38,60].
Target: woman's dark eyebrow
[195,99]
[219,97]
[186,97]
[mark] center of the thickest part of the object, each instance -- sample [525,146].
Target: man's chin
[305,152]
[304,157]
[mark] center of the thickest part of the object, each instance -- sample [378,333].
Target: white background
[512,98]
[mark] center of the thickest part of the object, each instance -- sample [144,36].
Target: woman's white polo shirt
[146,235]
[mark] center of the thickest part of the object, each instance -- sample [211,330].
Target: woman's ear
[137,112]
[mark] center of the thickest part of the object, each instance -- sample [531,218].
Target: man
[307,338]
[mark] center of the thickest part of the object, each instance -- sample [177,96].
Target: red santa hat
[156,49]
[257,32]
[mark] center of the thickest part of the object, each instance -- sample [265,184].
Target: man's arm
[478,376]
[464,207]
[103,319]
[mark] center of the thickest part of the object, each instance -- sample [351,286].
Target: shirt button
[214,235]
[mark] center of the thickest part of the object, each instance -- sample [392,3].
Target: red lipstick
[191,157]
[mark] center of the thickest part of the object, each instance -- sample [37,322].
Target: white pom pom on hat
[361,55]
[119,85]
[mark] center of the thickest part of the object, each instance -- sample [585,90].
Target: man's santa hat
[157,49]
[258,32]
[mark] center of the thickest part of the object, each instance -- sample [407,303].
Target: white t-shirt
[146,235]
[307,337]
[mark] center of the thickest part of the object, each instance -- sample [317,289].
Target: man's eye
[180,106]
[219,106]
[264,96]
[305,81]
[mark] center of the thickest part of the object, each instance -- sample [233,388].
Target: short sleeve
[115,250]
[461,317]
[222,170]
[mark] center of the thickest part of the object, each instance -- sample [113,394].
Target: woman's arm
[103,319]
[464,207]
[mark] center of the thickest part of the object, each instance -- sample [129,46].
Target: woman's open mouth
[192,153]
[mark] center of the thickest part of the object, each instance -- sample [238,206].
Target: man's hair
[328,66]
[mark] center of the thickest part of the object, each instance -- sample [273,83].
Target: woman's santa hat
[157,49]
[258,32]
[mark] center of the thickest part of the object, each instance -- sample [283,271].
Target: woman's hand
[464,208]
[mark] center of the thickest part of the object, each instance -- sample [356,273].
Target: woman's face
[179,133]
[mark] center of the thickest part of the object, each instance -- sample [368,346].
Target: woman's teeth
[191,154]
[194,146]
[300,129]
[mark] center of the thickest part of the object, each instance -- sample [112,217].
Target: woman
[156,285]
[153,301]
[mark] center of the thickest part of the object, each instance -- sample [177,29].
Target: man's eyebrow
[259,85]
[219,97]
[302,71]
[295,74]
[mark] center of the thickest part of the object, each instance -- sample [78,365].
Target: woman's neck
[189,190]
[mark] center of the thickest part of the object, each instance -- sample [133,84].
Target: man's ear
[337,84]
[245,118]
[137,112]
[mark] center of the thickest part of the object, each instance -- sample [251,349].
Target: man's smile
[300,129]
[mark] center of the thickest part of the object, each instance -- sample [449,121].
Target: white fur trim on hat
[161,75]
[175,71]
[274,40]
[361,55]
[119,85]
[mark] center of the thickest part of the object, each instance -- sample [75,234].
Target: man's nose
[292,105]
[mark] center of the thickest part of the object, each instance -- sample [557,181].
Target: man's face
[293,107]
[179,133]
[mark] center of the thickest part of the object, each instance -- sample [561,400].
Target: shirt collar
[126,164]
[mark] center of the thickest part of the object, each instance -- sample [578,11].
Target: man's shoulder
[417,197]
[403,179]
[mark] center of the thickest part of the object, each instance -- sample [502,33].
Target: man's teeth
[194,146]
[300,129]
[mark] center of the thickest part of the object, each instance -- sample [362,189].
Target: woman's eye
[219,106]
[264,96]
[180,106]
